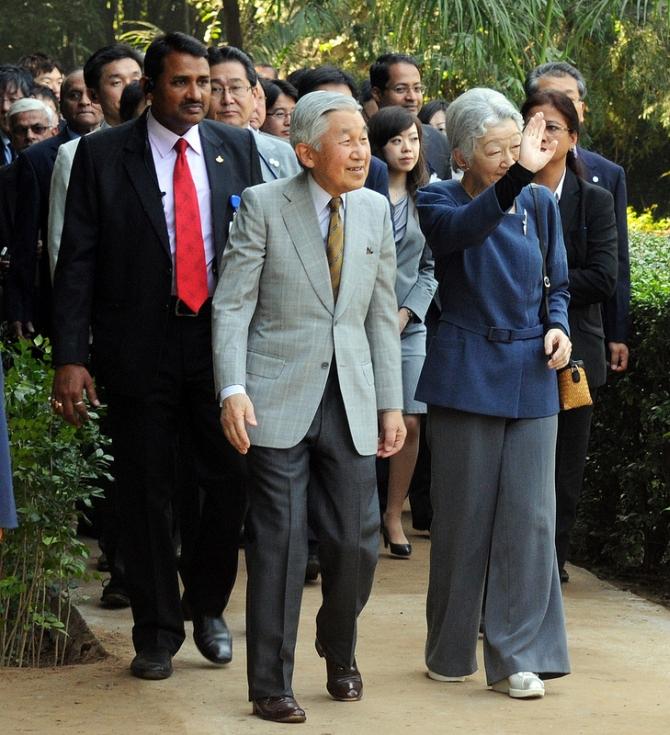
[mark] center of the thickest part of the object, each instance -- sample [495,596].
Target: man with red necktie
[147,216]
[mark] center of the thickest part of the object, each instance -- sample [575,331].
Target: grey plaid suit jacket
[276,328]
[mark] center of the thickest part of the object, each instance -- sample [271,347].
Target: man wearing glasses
[233,102]
[395,79]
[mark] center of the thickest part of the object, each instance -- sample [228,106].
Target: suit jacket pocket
[264,366]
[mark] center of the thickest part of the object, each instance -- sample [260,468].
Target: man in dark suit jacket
[563,77]
[395,79]
[148,210]
[33,183]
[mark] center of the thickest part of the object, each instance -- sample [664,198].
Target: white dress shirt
[321,199]
[162,142]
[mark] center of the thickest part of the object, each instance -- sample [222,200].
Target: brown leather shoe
[344,683]
[279,709]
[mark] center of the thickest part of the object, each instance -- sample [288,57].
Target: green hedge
[624,516]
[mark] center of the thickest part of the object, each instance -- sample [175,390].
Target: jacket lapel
[303,228]
[216,161]
[139,164]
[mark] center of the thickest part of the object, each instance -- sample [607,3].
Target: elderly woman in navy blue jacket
[490,384]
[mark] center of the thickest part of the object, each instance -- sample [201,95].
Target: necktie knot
[335,203]
[180,146]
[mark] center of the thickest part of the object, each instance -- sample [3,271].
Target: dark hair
[295,76]
[13,75]
[430,108]
[312,79]
[42,92]
[165,45]
[38,63]
[554,69]
[106,55]
[566,108]
[379,71]
[365,92]
[389,122]
[274,88]
[221,54]
[131,97]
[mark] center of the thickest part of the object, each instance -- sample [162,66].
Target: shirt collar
[164,140]
[321,197]
[559,189]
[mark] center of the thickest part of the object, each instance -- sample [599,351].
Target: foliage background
[622,47]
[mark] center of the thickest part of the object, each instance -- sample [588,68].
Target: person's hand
[558,345]
[403,319]
[532,155]
[392,433]
[20,330]
[67,395]
[236,412]
[619,355]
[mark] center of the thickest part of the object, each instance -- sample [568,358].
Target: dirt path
[620,649]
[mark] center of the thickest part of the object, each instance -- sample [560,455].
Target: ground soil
[620,685]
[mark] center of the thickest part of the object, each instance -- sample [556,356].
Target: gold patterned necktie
[335,246]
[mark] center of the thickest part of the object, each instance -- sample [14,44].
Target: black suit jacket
[590,234]
[437,151]
[35,166]
[114,270]
[610,176]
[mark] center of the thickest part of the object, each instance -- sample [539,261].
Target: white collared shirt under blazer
[277,329]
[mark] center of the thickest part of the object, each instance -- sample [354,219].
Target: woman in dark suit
[490,384]
[590,235]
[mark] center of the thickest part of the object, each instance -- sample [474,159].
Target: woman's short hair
[471,114]
[386,124]
[431,108]
[274,88]
[309,121]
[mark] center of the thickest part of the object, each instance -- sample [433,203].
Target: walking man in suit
[560,76]
[307,365]
[147,216]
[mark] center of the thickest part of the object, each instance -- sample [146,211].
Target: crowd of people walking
[298,298]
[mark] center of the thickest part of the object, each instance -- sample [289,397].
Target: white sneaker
[522,685]
[440,677]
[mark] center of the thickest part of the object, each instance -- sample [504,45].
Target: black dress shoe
[213,639]
[563,575]
[313,568]
[279,709]
[114,595]
[152,663]
[344,683]
[401,550]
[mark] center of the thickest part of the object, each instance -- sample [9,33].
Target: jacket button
[325,365]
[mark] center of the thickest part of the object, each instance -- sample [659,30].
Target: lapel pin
[274,162]
[369,251]
[219,159]
[595,179]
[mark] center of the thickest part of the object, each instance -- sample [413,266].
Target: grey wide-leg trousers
[492,491]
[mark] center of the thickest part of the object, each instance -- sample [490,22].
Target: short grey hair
[30,104]
[554,69]
[471,114]
[309,120]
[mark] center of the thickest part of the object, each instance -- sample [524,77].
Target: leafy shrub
[624,518]
[55,466]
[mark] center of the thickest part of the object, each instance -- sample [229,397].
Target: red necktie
[190,266]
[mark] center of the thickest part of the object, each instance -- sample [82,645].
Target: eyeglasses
[280,114]
[23,129]
[236,90]
[552,130]
[403,89]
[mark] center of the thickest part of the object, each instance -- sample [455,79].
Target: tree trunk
[232,28]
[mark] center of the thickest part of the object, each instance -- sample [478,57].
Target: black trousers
[178,412]
[572,443]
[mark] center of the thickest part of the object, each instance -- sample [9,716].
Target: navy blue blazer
[488,354]
[378,177]
[612,177]
[7,507]
[35,166]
